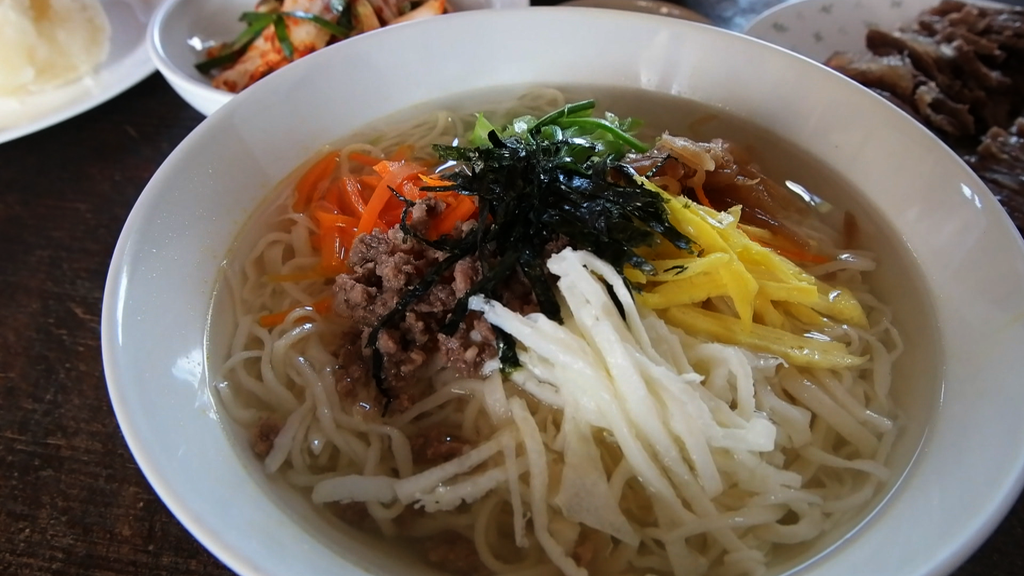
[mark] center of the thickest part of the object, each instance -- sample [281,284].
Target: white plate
[125,66]
[179,24]
[818,28]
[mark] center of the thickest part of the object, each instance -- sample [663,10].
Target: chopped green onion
[321,22]
[606,127]
[258,17]
[281,29]
[568,111]
[257,22]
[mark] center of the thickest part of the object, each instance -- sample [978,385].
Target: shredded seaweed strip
[533,189]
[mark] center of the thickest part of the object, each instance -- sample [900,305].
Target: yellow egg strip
[795,350]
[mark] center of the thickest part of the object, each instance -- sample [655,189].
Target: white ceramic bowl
[659,7]
[178,26]
[818,28]
[951,264]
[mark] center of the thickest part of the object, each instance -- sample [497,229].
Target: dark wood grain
[72,500]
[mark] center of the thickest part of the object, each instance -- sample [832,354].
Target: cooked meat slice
[968,63]
[928,56]
[893,74]
[952,118]
[999,161]
[974,43]
[965,65]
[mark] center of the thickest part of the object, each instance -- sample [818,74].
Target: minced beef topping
[437,445]
[383,266]
[264,434]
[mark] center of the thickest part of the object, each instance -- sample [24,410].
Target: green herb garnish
[281,30]
[257,22]
[557,179]
[230,53]
[335,29]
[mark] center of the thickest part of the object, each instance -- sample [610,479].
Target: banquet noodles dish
[546,340]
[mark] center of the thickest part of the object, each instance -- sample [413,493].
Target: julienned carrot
[321,307]
[797,255]
[449,198]
[385,167]
[334,243]
[331,261]
[328,219]
[401,153]
[337,232]
[789,250]
[701,196]
[352,198]
[370,181]
[342,204]
[331,197]
[434,180]
[364,159]
[373,208]
[317,174]
[461,211]
[394,173]
[391,214]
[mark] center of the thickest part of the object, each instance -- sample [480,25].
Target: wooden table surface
[72,500]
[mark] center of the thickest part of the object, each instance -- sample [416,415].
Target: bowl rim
[971,536]
[155,35]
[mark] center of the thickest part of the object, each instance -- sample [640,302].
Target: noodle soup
[659,430]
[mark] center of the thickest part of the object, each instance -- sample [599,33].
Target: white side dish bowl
[952,265]
[181,25]
[818,28]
